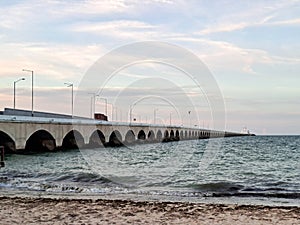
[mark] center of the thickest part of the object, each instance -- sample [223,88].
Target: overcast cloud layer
[251,47]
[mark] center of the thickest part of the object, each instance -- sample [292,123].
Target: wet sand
[22,210]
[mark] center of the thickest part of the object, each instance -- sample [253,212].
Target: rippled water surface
[262,168]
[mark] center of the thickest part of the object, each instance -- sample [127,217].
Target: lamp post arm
[15,82]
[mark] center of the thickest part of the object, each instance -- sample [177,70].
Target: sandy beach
[17,210]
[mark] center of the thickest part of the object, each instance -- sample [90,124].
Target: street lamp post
[93,103]
[72,101]
[154,112]
[170,118]
[121,115]
[131,108]
[189,112]
[31,89]
[131,119]
[15,90]
[130,114]
[105,99]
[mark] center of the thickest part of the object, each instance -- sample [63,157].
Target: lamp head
[27,70]
[69,84]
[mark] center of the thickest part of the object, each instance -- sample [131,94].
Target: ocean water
[251,170]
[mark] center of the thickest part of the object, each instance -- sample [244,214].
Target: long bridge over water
[24,133]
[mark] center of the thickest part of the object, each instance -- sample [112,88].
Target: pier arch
[177,136]
[115,139]
[73,140]
[141,135]
[40,140]
[151,135]
[172,135]
[7,142]
[159,135]
[97,139]
[129,137]
[201,134]
[181,134]
[166,136]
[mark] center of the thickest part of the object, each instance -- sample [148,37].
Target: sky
[251,49]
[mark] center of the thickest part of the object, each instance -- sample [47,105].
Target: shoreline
[226,200]
[45,210]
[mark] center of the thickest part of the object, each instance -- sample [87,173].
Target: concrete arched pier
[39,134]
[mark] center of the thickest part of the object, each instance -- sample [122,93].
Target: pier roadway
[27,134]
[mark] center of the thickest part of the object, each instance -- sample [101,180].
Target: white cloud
[58,61]
[15,15]
[239,26]
[223,28]
[295,21]
[88,7]
[34,11]
[111,26]
[223,56]
[241,16]
[129,29]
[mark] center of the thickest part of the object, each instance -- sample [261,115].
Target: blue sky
[251,47]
